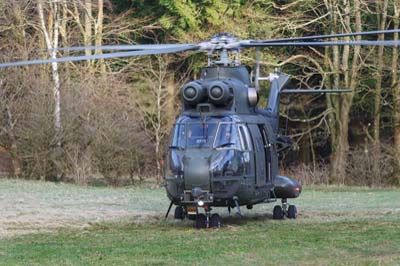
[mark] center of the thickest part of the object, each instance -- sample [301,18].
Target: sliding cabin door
[259,154]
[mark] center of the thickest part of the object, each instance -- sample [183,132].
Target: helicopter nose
[196,173]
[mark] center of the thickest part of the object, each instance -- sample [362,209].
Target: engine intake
[220,93]
[193,93]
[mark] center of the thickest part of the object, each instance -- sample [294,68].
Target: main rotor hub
[223,43]
[223,38]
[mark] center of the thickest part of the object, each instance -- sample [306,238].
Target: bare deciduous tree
[344,77]
[382,7]
[51,35]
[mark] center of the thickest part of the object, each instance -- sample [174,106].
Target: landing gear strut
[236,200]
[290,211]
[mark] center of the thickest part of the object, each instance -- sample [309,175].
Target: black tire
[179,213]
[201,221]
[191,217]
[292,212]
[277,213]
[215,221]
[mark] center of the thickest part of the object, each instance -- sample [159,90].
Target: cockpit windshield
[227,136]
[200,134]
[206,132]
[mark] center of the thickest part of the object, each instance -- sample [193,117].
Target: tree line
[110,119]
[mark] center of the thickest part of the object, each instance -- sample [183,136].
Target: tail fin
[278,82]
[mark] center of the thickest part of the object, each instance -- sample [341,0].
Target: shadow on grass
[137,222]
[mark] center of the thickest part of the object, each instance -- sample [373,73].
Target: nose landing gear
[202,220]
[212,220]
[207,220]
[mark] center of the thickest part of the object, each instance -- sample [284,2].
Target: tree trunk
[340,145]
[87,36]
[170,101]
[99,33]
[16,163]
[382,13]
[396,89]
[51,45]
[332,101]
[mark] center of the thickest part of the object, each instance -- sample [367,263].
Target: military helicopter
[223,149]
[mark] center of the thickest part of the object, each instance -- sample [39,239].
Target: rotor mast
[225,44]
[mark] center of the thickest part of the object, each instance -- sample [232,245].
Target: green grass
[336,226]
[250,242]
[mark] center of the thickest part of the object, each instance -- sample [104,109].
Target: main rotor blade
[319,37]
[121,47]
[313,91]
[100,56]
[328,43]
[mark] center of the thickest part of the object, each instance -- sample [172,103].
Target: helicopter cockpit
[215,133]
[221,144]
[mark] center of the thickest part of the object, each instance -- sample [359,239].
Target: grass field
[59,224]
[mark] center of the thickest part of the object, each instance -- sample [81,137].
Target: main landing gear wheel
[277,213]
[201,221]
[179,213]
[292,212]
[215,221]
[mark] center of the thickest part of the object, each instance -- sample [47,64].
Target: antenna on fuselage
[257,81]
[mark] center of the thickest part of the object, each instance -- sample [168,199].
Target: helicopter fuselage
[223,149]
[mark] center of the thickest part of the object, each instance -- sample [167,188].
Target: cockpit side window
[179,139]
[227,136]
